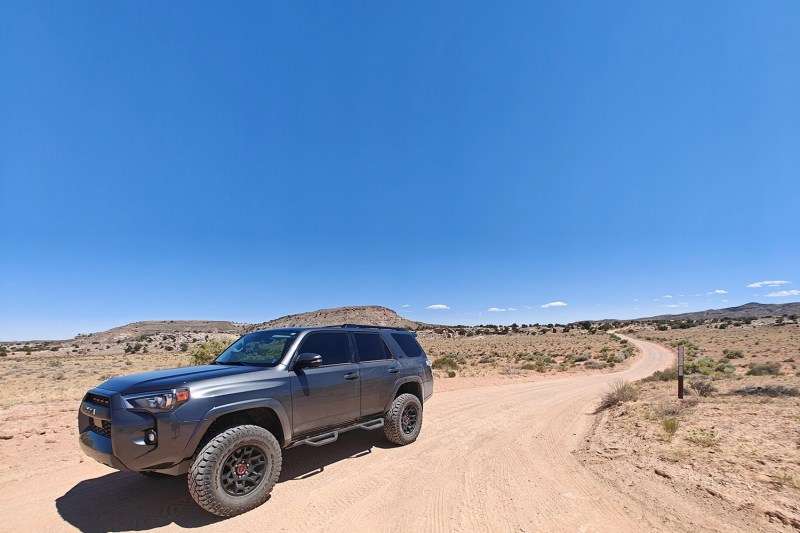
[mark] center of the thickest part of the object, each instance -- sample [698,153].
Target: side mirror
[307,360]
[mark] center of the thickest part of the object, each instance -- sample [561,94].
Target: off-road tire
[393,422]
[205,475]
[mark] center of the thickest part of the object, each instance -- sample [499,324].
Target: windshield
[262,348]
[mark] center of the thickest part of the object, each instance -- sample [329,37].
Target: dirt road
[496,458]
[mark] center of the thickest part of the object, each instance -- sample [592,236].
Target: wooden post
[680,372]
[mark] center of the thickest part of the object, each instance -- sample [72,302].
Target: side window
[371,347]
[409,344]
[333,347]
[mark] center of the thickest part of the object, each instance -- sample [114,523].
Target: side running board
[333,436]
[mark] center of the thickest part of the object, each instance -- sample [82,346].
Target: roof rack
[366,327]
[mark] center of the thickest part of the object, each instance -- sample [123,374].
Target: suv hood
[172,378]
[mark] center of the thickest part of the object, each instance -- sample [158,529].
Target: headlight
[157,401]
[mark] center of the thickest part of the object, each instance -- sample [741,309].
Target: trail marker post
[680,372]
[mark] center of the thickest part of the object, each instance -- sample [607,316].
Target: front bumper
[114,436]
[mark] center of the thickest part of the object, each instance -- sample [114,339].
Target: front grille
[97,399]
[103,429]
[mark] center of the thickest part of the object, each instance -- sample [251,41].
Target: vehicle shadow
[127,501]
[304,462]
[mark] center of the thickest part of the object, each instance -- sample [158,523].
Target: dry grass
[740,449]
[756,345]
[621,392]
[51,378]
[513,354]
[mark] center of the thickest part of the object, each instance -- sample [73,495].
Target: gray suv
[226,423]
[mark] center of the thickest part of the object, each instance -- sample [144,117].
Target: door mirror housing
[307,360]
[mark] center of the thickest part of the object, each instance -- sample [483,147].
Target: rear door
[327,395]
[378,372]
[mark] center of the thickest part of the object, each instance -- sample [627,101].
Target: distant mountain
[363,314]
[750,310]
[191,329]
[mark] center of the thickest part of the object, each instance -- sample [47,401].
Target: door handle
[394,370]
[351,375]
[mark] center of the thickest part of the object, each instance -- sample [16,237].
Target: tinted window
[371,347]
[409,344]
[333,347]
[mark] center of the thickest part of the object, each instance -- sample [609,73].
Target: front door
[327,395]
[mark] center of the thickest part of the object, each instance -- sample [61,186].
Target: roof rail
[366,327]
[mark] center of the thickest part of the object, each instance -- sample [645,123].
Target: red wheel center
[241,469]
[406,419]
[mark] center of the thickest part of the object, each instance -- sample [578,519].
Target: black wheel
[403,421]
[236,470]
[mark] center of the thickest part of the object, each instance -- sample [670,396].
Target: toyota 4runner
[226,423]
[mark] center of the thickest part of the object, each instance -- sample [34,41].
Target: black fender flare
[400,383]
[215,412]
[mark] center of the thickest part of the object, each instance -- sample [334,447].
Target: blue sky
[243,162]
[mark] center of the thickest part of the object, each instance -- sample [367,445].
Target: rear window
[371,347]
[409,344]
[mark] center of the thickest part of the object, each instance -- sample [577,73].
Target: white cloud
[496,309]
[554,304]
[718,291]
[405,305]
[679,305]
[526,306]
[784,294]
[512,309]
[776,283]
[437,306]
[667,296]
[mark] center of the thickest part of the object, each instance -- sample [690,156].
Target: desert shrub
[708,366]
[541,363]
[619,358]
[707,438]
[690,347]
[732,354]
[670,426]
[670,374]
[764,369]
[621,392]
[168,348]
[133,349]
[451,373]
[667,409]
[703,388]
[206,352]
[594,365]
[582,357]
[184,347]
[770,390]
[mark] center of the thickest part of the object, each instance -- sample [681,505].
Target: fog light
[150,436]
